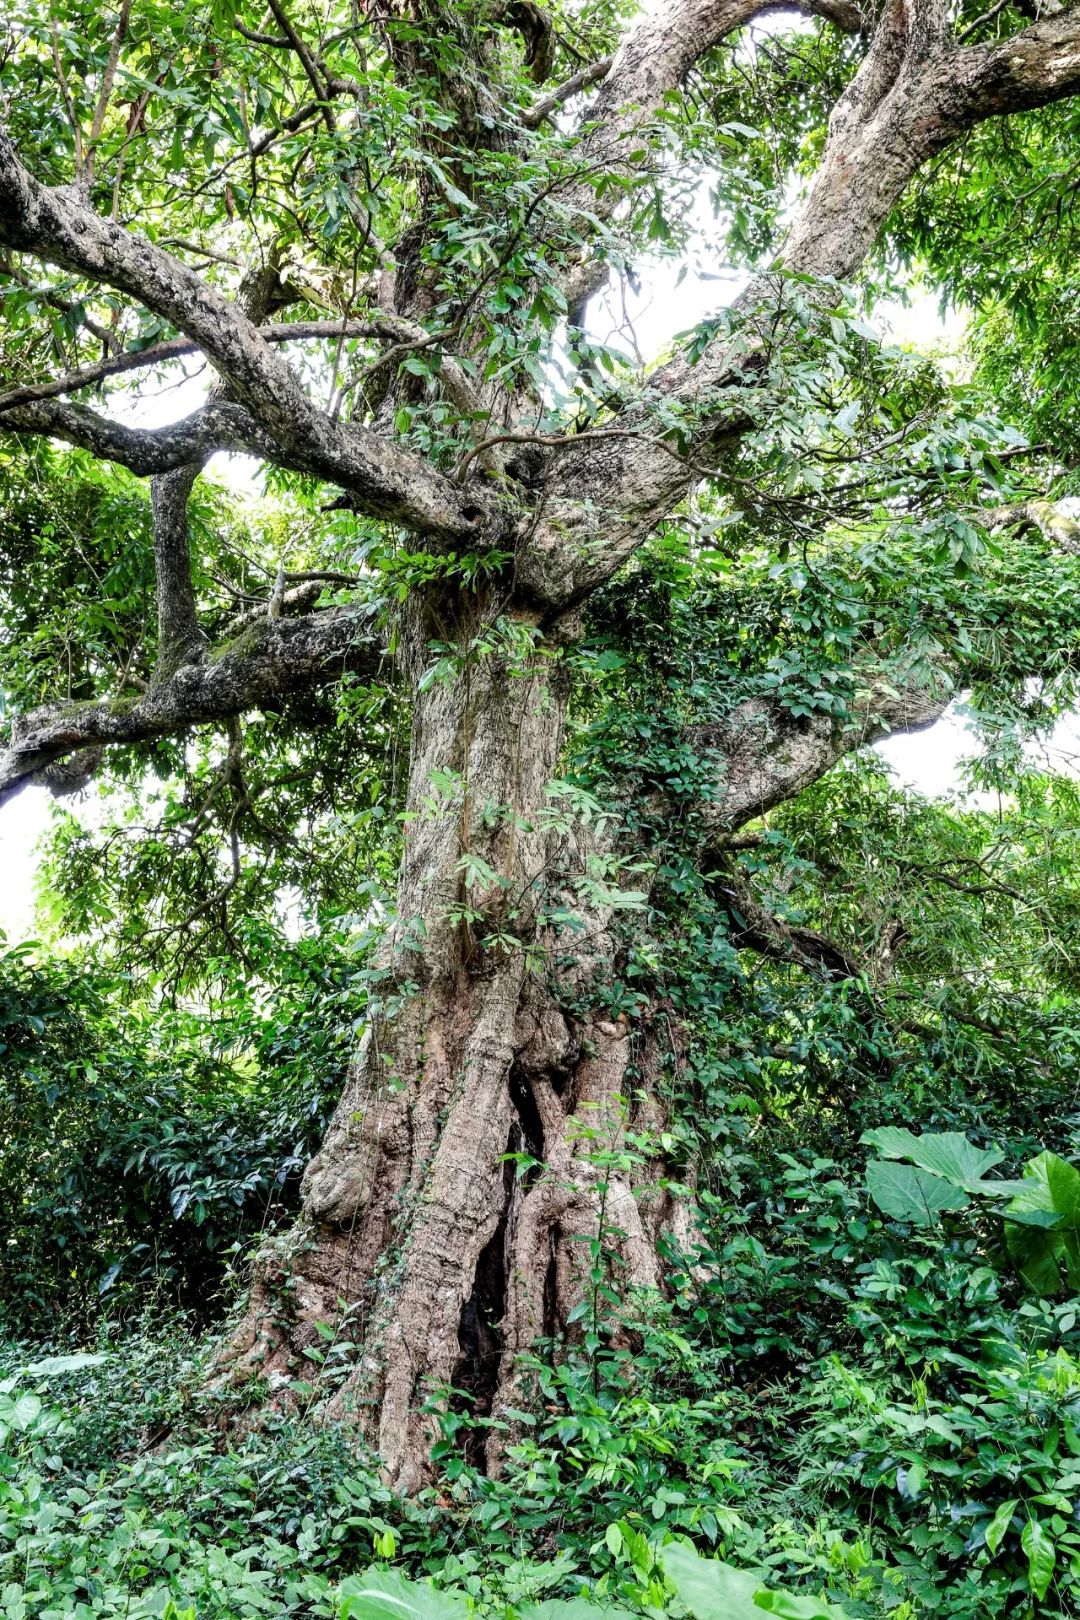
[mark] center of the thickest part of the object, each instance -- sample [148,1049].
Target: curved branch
[914,94]
[267,665]
[1055,526]
[372,471]
[763,931]
[217,426]
[770,754]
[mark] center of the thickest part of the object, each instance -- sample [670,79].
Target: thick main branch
[265,667]
[915,93]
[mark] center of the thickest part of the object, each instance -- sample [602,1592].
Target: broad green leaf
[1042,1229]
[790,1607]
[995,1530]
[27,1411]
[386,1594]
[1052,1185]
[946,1153]
[1041,1556]
[711,1590]
[571,1609]
[907,1194]
[62,1364]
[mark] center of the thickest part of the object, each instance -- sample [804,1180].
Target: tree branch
[915,92]
[770,755]
[180,639]
[762,931]
[385,328]
[1053,524]
[535,115]
[267,665]
[58,225]
[147,450]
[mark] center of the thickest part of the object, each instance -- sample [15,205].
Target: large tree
[381,227]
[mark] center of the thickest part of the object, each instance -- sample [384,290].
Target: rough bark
[410,1187]
[419,1244]
[770,755]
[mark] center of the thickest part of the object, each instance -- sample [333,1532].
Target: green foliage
[1042,1216]
[1042,1227]
[136,1155]
[856,1397]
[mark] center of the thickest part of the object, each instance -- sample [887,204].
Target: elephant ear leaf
[387,1594]
[1042,1225]
[909,1194]
[943,1153]
[713,1590]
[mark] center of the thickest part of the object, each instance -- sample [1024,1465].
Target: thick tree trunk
[436,1257]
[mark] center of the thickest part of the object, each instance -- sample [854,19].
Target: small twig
[276,40]
[987,16]
[307,61]
[202,252]
[65,90]
[563,441]
[107,82]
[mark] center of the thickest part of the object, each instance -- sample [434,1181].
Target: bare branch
[108,79]
[1053,524]
[1039,65]
[180,640]
[383,327]
[145,450]
[536,114]
[278,41]
[759,929]
[281,17]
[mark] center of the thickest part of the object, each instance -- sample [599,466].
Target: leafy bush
[136,1154]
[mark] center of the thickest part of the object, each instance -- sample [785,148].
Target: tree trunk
[432,1255]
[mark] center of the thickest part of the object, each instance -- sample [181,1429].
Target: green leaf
[1041,1556]
[995,1530]
[907,1194]
[1042,1228]
[1049,1185]
[62,1364]
[26,1412]
[386,1594]
[713,1590]
[945,1153]
[571,1609]
[910,1481]
[791,1607]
